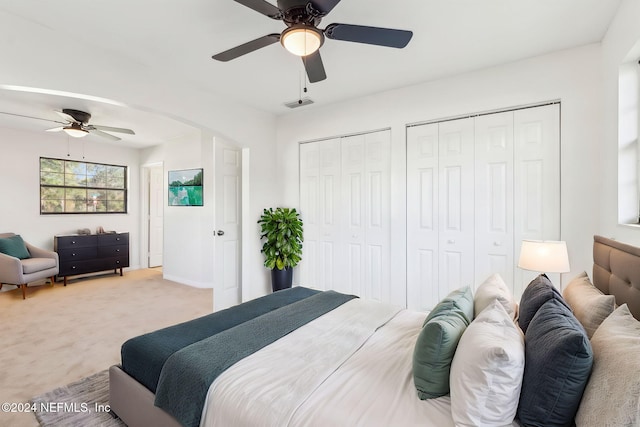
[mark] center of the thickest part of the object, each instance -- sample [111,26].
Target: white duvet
[350,367]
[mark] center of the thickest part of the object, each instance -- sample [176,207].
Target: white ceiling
[177,38]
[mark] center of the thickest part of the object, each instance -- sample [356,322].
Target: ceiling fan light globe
[75,132]
[301,40]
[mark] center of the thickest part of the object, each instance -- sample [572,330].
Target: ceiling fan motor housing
[80,116]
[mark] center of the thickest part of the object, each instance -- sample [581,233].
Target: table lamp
[544,256]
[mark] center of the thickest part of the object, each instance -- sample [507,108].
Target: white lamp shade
[544,256]
[301,40]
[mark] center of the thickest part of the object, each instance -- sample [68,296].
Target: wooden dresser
[80,254]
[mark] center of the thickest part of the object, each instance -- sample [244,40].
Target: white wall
[20,153]
[571,76]
[623,35]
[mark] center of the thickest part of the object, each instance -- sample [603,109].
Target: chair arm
[10,270]
[41,253]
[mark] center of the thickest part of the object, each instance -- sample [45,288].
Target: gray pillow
[539,291]
[558,361]
[589,304]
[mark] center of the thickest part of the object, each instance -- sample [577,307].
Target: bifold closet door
[536,182]
[440,206]
[367,223]
[345,206]
[494,220]
[476,188]
[320,209]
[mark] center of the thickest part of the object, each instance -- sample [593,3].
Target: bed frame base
[133,403]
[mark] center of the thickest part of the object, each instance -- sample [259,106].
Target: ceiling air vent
[299,103]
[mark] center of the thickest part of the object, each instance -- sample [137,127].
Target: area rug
[80,404]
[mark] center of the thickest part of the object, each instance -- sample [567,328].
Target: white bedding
[352,367]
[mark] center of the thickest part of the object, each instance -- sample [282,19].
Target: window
[628,140]
[70,187]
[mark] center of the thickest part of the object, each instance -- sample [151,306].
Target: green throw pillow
[437,343]
[14,246]
[435,347]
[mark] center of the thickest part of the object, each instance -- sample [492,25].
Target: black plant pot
[281,279]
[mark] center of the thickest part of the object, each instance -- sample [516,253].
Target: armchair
[40,264]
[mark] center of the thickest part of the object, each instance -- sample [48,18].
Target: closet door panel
[354,196]
[320,182]
[537,181]
[456,205]
[378,215]
[309,211]
[494,236]
[422,216]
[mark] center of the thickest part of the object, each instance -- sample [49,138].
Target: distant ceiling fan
[302,36]
[76,124]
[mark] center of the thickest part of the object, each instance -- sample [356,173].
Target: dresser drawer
[113,251]
[68,242]
[77,254]
[113,239]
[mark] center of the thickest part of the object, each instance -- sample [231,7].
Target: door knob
[220,233]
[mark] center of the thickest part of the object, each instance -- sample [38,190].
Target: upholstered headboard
[616,271]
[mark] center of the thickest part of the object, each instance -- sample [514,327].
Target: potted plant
[281,230]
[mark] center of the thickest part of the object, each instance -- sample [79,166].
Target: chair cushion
[14,246]
[33,265]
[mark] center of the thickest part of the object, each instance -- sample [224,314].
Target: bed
[306,358]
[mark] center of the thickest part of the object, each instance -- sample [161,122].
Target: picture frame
[185,187]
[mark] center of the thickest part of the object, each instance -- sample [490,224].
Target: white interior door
[156,212]
[227,273]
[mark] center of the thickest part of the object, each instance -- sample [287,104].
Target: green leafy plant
[281,230]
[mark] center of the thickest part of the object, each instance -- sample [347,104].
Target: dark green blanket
[144,356]
[188,373]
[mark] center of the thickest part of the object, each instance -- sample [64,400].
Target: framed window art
[185,187]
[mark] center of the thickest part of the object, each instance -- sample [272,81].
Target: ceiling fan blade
[67,117]
[58,129]
[110,129]
[31,117]
[324,6]
[262,7]
[315,68]
[103,134]
[370,35]
[248,47]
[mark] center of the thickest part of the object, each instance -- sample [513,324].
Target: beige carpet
[59,334]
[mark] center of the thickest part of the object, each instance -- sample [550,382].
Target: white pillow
[487,370]
[612,395]
[588,303]
[491,289]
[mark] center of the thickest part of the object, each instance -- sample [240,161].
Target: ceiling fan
[302,36]
[76,124]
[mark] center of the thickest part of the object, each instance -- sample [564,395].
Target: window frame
[87,186]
